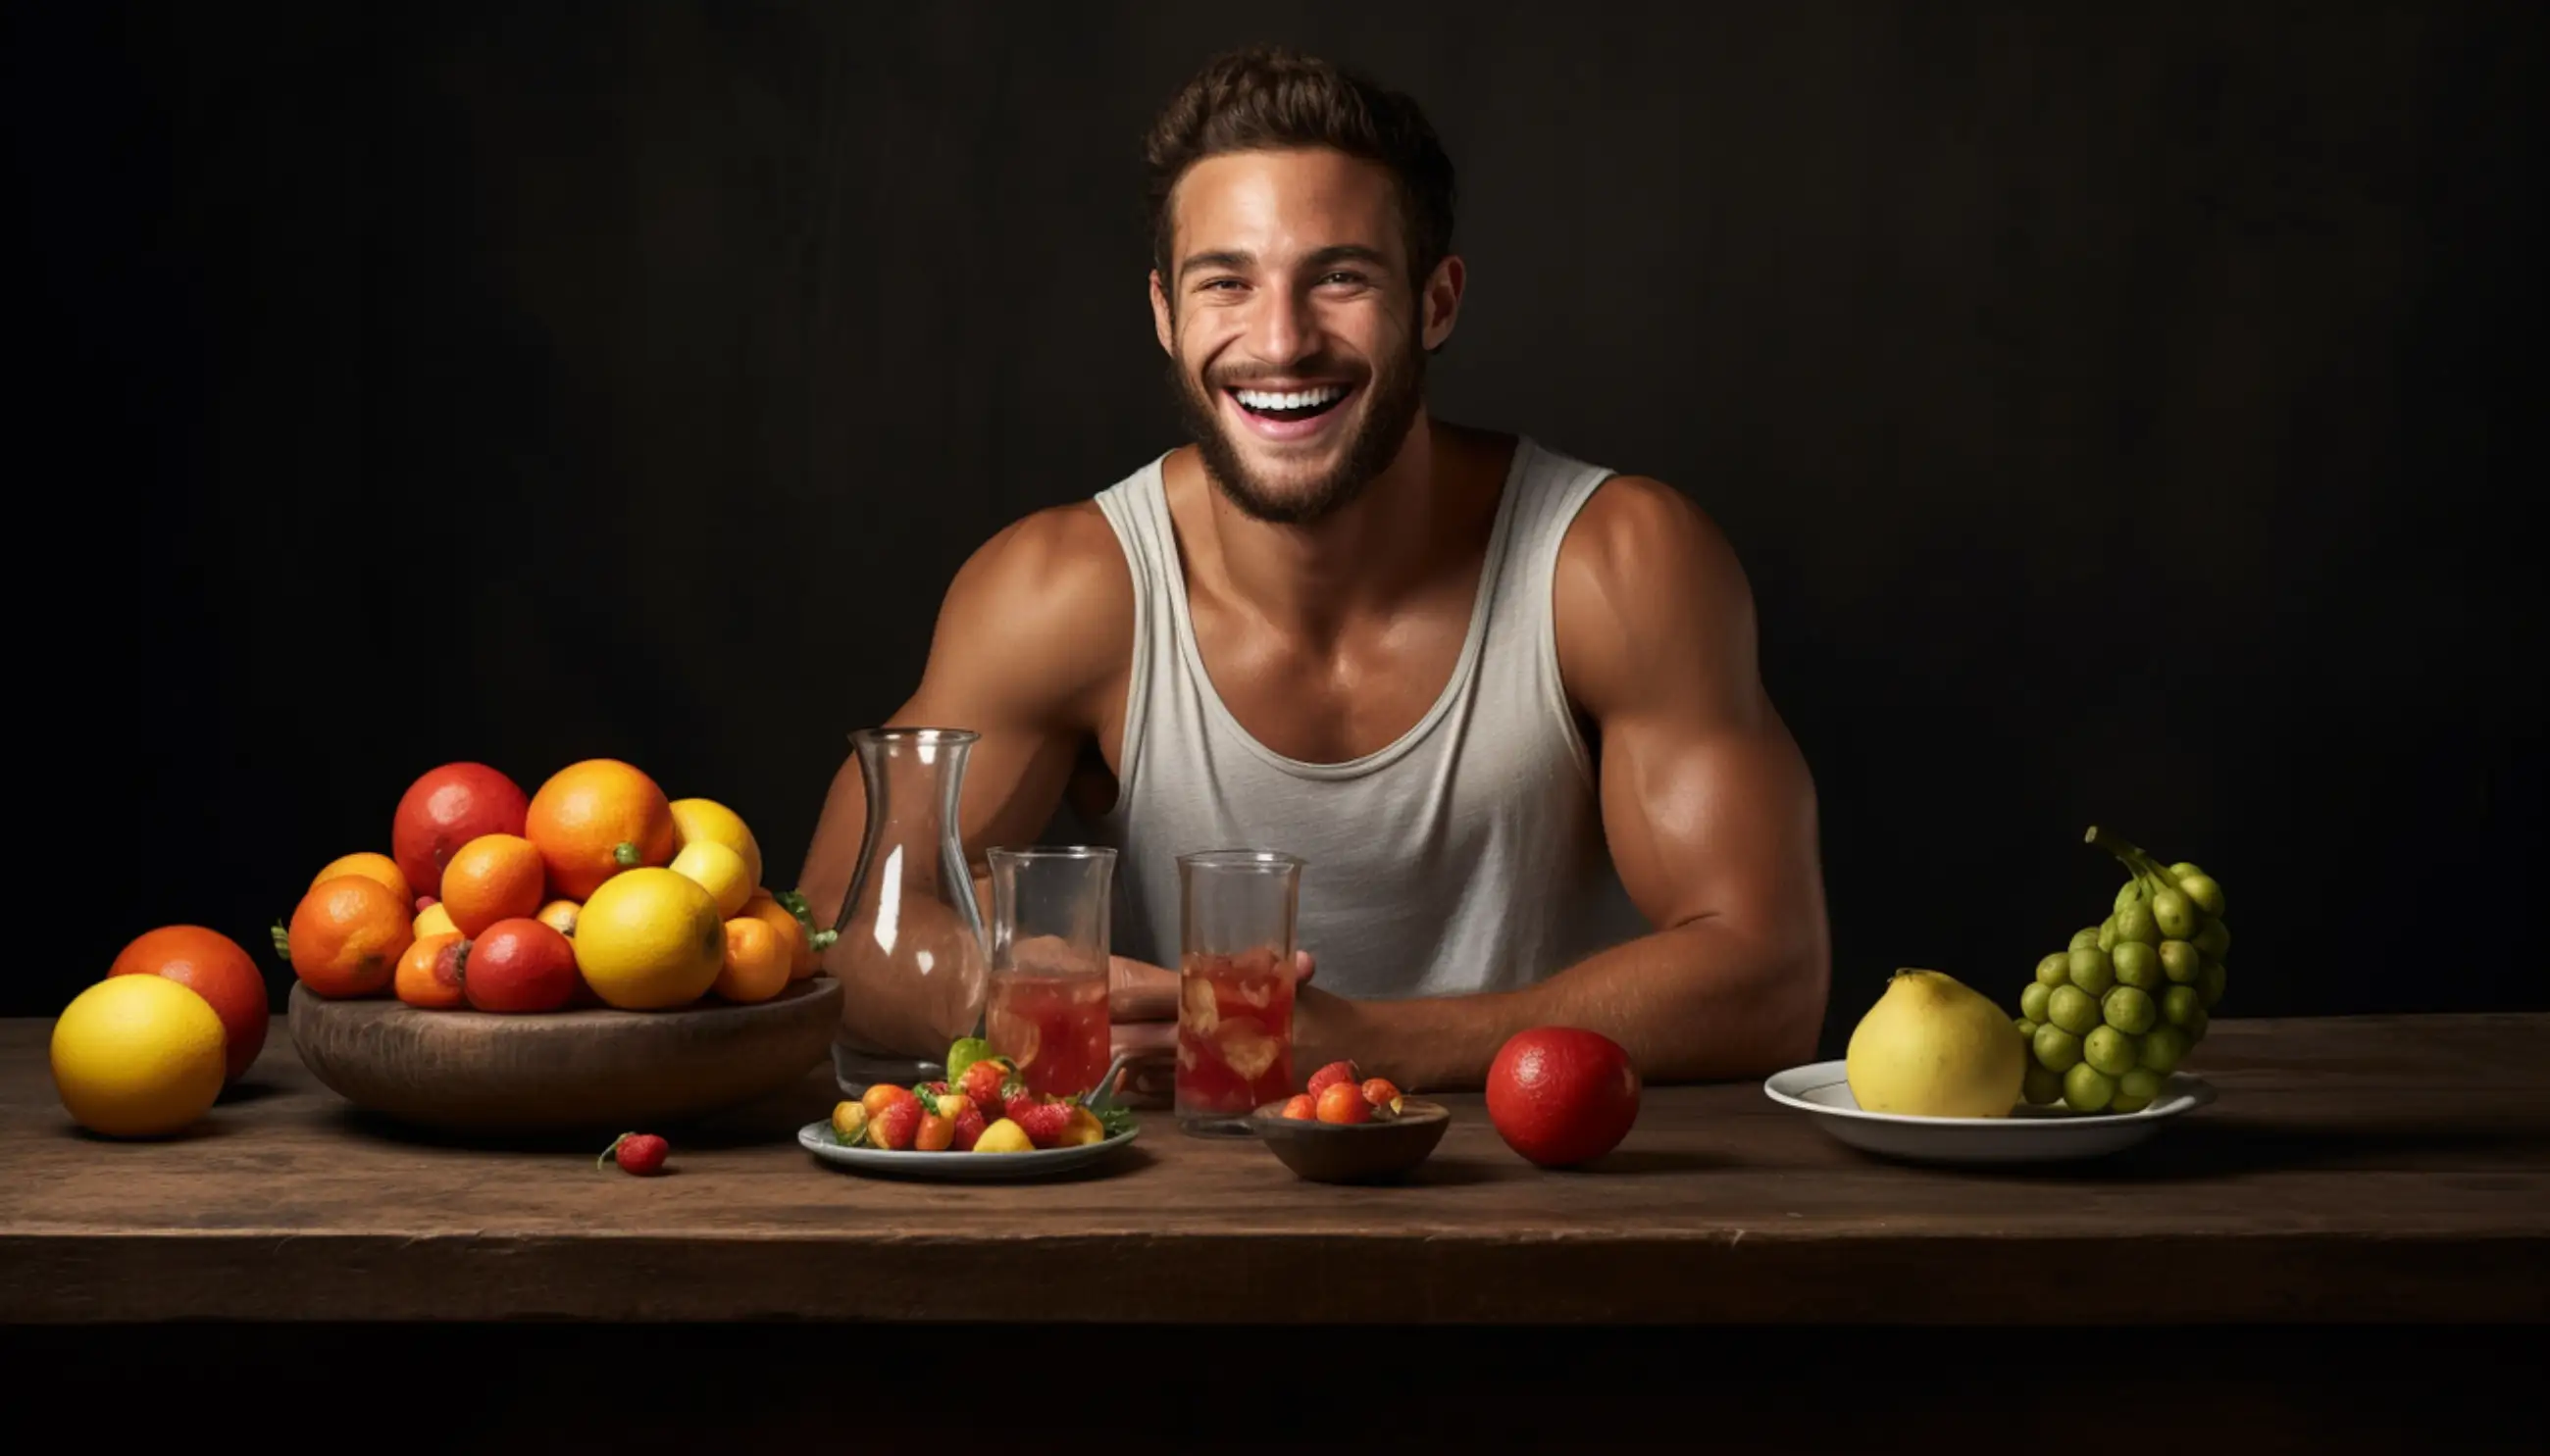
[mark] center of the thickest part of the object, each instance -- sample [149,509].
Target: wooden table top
[2358,1169]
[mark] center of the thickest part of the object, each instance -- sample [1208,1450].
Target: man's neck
[1310,579]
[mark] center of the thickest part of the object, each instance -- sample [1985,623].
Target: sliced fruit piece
[1004,1136]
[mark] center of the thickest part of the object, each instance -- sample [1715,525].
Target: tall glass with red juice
[1238,909]
[1046,1006]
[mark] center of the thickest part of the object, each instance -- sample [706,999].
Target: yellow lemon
[138,1056]
[707,821]
[720,871]
[649,939]
[433,919]
[1004,1136]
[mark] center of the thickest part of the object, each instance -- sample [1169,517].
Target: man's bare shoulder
[1042,613]
[1646,581]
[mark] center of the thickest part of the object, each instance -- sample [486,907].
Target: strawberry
[1302,1108]
[894,1126]
[1383,1096]
[935,1134]
[969,1127]
[1330,1076]
[1043,1122]
[1016,1098]
[641,1153]
[1343,1102]
[982,1083]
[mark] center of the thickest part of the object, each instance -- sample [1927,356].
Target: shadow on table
[2226,1147]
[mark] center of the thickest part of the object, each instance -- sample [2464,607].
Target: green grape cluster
[2112,1014]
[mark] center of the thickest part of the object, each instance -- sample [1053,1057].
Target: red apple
[445,809]
[521,965]
[1561,1096]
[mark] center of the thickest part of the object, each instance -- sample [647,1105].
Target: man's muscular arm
[1710,813]
[1035,627]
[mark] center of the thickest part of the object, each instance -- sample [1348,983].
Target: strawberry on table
[1330,1076]
[1045,1122]
[641,1153]
[894,1126]
[982,1083]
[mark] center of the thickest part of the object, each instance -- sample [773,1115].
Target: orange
[429,975]
[594,819]
[559,916]
[790,929]
[347,936]
[494,877]
[370,866]
[756,964]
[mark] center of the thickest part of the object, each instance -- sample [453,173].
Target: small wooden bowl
[1353,1152]
[596,1070]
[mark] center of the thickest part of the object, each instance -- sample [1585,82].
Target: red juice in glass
[1235,987]
[1054,1027]
[1045,1008]
[1234,1035]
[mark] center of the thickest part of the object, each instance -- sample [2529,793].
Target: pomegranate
[445,809]
[1561,1096]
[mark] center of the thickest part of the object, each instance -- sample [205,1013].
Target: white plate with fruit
[981,1125]
[1936,1071]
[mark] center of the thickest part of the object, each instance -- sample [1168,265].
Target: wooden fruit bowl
[610,1071]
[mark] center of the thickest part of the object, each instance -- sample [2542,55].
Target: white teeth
[1300,400]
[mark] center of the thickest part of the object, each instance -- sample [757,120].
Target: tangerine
[371,865]
[791,930]
[494,877]
[757,962]
[347,936]
[214,967]
[595,819]
[429,975]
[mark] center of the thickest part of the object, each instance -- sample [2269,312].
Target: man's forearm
[1693,1003]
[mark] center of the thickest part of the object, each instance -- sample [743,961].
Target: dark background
[2123,411]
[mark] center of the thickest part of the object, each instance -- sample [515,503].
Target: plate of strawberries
[944,1128]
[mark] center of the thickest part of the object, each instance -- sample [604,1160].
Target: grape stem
[2144,867]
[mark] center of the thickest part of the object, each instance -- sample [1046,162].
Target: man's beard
[1393,396]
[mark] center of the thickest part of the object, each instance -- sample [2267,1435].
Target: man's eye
[1211,284]
[1351,280]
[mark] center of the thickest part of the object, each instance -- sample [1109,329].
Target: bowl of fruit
[590,955]
[1345,1127]
[982,1123]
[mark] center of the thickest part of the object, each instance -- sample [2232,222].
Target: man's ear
[1442,302]
[1163,323]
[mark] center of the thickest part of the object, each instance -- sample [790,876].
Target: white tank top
[1466,856]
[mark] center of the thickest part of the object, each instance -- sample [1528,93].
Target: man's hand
[1142,1012]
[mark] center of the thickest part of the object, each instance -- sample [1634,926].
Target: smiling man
[1505,703]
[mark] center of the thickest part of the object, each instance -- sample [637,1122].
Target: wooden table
[2360,1172]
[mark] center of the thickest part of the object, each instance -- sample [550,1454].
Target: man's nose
[1283,330]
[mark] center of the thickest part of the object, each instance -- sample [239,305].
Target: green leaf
[282,942]
[793,901]
[1115,1120]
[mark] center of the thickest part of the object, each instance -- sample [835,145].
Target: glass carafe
[911,951]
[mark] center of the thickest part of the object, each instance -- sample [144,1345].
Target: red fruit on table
[982,1083]
[969,1127]
[1331,1075]
[1343,1102]
[894,1126]
[935,1133]
[1303,1107]
[1384,1097]
[1043,1122]
[520,965]
[447,807]
[214,967]
[1561,1096]
[641,1153]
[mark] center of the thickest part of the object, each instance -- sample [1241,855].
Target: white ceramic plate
[816,1138]
[2029,1135]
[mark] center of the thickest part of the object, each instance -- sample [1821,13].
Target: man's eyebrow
[1346,253]
[1197,262]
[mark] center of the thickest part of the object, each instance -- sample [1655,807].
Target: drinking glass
[1238,914]
[1047,1010]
